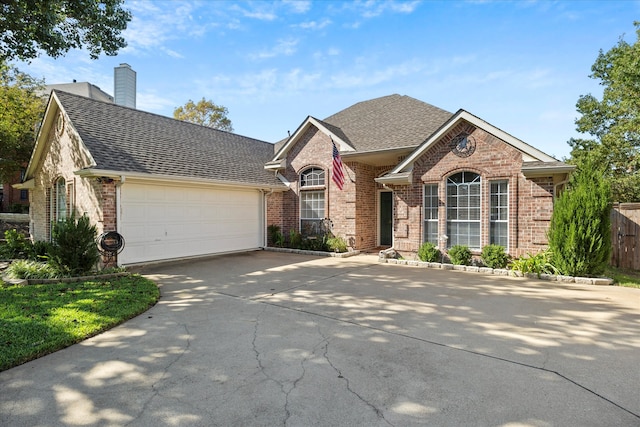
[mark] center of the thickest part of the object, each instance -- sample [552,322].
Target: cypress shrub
[580,230]
[74,251]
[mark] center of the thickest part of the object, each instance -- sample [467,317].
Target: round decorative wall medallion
[60,124]
[463,145]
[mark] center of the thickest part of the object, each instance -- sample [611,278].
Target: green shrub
[28,269]
[460,255]
[538,264]
[494,256]
[274,235]
[295,239]
[337,244]
[315,243]
[580,229]
[74,251]
[39,250]
[17,246]
[428,252]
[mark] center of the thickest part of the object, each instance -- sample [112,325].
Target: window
[463,209]
[499,221]
[312,183]
[312,177]
[61,200]
[24,194]
[431,214]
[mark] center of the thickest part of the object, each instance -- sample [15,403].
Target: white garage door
[162,222]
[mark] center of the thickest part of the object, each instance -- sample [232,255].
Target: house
[412,173]
[416,173]
[172,189]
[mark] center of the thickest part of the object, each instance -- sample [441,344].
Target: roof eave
[123,176]
[538,171]
[404,178]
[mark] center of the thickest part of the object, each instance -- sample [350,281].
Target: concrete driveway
[269,339]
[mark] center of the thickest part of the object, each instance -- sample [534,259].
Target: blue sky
[519,65]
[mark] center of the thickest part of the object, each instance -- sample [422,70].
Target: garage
[161,221]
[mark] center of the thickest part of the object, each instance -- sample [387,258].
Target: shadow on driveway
[278,339]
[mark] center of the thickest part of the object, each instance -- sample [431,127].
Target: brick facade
[84,196]
[352,210]
[355,211]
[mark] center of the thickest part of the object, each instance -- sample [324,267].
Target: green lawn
[39,319]
[626,278]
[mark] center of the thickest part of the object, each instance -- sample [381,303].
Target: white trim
[280,156]
[508,221]
[529,153]
[145,177]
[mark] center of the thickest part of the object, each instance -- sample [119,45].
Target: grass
[39,319]
[630,279]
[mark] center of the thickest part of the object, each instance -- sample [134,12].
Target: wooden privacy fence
[625,234]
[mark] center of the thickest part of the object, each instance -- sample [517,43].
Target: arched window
[463,209]
[61,199]
[312,200]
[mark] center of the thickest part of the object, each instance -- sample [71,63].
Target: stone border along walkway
[600,281]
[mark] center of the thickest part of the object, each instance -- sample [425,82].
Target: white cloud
[365,77]
[298,6]
[261,11]
[152,27]
[315,25]
[284,47]
[372,8]
[149,101]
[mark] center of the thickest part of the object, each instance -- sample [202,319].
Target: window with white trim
[499,220]
[312,201]
[61,200]
[431,214]
[463,209]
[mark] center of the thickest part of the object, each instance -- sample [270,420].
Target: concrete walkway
[269,339]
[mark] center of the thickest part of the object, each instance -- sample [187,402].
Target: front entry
[386,218]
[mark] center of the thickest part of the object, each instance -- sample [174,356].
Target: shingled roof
[123,139]
[393,121]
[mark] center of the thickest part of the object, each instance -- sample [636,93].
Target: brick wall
[530,200]
[65,154]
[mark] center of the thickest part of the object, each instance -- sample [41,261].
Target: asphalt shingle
[392,121]
[129,140]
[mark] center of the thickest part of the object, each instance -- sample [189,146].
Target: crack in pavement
[447,346]
[379,413]
[155,390]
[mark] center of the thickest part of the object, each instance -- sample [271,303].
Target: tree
[580,230]
[205,113]
[56,26]
[614,121]
[22,110]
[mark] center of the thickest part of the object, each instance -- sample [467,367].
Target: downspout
[119,210]
[265,195]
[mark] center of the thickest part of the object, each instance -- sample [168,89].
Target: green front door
[386,218]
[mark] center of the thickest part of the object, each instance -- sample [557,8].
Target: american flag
[338,174]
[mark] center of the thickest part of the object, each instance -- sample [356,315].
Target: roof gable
[531,155]
[385,123]
[125,140]
[388,122]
